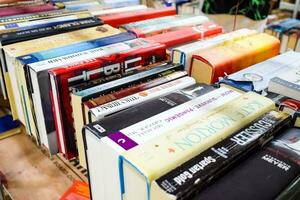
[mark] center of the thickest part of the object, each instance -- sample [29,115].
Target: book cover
[189,178]
[183,142]
[291,192]
[287,83]
[208,65]
[142,123]
[260,74]
[119,19]
[126,62]
[183,54]
[8,126]
[39,88]
[28,9]
[271,170]
[164,24]
[187,34]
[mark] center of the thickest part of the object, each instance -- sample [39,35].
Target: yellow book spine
[176,146]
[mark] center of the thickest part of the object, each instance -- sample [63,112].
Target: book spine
[286,83]
[26,9]
[131,100]
[136,88]
[190,177]
[13,37]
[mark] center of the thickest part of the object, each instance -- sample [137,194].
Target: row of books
[288,31]
[136,103]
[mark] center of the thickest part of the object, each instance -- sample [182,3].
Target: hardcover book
[210,64]
[130,85]
[39,87]
[15,68]
[189,178]
[145,163]
[119,19]
[271,170]
[183,54]
[123,63]
[187,34]
[159,25]
[260,74]
[287,84]
[141,123]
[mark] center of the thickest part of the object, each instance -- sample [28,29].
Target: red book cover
[119,19]
[18,10]
[187,34]
[142,53]
[78,191]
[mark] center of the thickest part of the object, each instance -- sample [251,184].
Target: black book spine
[292,192]
[147,109]
[189,178]
[19,36]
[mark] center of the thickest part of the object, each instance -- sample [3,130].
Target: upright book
[141,165]
[142,123]
[208,65]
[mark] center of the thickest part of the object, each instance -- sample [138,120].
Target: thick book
[187,34]
[15,69]
[20,36]
[124,87]
[189,178]
[156,26]
[141,123]
[270,170]
[119,19]
[39,87]
[183,54]
[210,64]
[260,74]
[29,9]
[287,83]
[143,164]
[126,62]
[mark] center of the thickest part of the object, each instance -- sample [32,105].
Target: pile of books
[288,32]
[156,105]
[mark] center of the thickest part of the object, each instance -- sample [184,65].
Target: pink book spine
[9,11]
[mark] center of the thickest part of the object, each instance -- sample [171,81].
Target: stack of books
[288,31]
[155,105]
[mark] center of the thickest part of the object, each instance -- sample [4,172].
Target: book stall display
[149,100]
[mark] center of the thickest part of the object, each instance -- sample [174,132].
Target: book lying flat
[141,165]
[270,170]
[142,123]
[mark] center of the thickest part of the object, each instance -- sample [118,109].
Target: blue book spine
[74,48]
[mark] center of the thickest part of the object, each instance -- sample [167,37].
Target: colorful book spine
[187,34]
[119,19]
[189,178]
[183,142]
[28,9]
[210,64]
[271,170]
[123,63]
